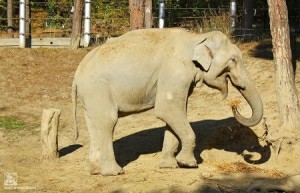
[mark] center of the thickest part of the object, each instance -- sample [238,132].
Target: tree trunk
[77,24]
[10,18]
[148,13]
[137,14]
[288,101]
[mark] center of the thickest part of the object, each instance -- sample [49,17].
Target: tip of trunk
[256,117]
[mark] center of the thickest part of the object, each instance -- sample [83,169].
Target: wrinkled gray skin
[155,68]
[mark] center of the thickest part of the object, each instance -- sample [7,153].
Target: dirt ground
[230,156]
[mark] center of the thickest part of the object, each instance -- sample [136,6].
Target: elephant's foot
[95,169]
[106,169]
[112,171]
[168,162]
[186,161]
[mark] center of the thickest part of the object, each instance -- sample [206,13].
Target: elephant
[156,68]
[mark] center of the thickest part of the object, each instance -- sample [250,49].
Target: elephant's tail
[74,103]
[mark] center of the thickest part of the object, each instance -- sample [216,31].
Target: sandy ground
[230,156]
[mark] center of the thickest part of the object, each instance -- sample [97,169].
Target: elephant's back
[127,52]
[86,62]
[136,50]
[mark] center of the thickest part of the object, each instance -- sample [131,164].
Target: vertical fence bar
[87,23]
[233,14]
[161,17]
[22,38]
[27,24]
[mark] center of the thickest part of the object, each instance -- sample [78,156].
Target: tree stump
[49,127]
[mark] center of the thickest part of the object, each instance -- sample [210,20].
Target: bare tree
[10,18]
[77,24]
[137,14]
[288,101]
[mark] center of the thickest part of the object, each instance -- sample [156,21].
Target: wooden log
[49,127]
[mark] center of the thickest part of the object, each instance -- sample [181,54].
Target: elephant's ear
[203,55]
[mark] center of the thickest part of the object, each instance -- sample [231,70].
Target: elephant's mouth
[238,85]
[225,78]
[223,86]
[226,74]
[251,95]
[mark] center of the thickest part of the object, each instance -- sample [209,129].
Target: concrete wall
[37,42]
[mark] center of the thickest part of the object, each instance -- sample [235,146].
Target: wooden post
[49,126]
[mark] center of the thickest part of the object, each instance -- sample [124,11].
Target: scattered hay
[234,103]
[239,167]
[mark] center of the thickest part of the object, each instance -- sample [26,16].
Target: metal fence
[111,18]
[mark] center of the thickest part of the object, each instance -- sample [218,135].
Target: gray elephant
[156,68]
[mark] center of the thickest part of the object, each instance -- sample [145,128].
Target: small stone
[206,175]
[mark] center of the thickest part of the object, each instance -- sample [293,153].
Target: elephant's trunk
[252,97]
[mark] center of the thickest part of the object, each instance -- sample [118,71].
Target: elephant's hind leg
[101,117]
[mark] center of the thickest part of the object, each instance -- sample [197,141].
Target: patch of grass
[13,123]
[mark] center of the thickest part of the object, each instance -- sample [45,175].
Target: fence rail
[112,19]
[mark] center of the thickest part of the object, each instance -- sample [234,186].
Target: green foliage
[197,15]
[2,6]
[13,123]
[58,13]
[111,18]
[192,4]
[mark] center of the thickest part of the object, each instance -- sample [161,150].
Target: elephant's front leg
[170,147]
[170,106]
[181,127]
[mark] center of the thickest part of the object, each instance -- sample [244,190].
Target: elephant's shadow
[224,134]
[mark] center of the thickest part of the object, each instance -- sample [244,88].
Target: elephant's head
[221,60]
